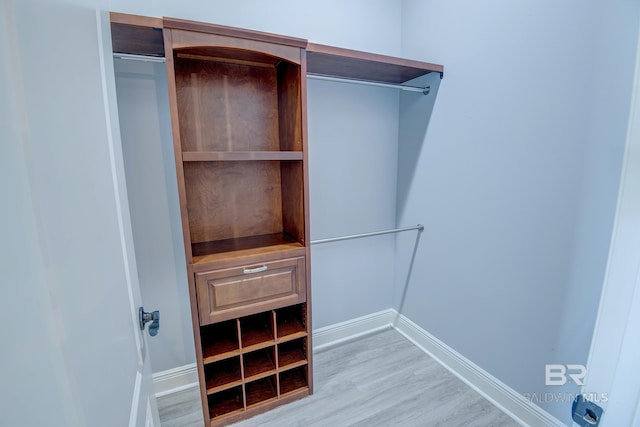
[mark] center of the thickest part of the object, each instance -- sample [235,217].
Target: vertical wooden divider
[244,391]
[274,319]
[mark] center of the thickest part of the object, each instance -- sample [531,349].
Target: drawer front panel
[240,291]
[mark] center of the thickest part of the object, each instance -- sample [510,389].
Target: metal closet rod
[425,90]
[418,227]
[133,57]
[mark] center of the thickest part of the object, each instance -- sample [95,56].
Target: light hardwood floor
[378,380]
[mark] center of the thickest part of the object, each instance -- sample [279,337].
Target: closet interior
[238,110]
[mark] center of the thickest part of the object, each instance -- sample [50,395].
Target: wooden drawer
[239,291]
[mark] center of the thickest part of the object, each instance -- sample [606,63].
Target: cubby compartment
[259,363]
[246,367]
[223,374]
[292,354]
[219,341]
[226,402]
[261,391]
[293,380]
[291,322]
[254,204]
[232,100]
[257,331]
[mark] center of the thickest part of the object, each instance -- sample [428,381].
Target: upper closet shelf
[136,35]
[335,62]
[140,35]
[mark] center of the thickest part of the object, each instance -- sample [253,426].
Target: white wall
[68,331]
[615,337]
[614,38]
[353,133]
[523,129]
[352,164]
[25,309]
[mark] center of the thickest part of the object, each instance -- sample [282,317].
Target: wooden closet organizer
[238,112]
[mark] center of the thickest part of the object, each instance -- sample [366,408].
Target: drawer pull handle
[254,270]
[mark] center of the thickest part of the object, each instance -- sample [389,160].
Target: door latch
[153,317]
[585,413]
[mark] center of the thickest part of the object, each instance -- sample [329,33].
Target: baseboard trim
[502,396]
[175,380]
[332,335]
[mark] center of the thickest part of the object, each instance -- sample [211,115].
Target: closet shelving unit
[238,111]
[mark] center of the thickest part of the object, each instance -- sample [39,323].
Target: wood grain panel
[238,291]
[226,107]
[227,200]
[293,215]
[306,227]
[289,107]
[177,147]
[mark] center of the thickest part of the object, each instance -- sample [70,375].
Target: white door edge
[615,330]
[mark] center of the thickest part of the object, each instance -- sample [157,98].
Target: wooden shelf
[258,364]
[253,204]
[220,341]
[352,64]
[291,355]
[287,250]
[292,380]
[290,331]
[143,36]
[290,324]
[226,402]
[256,332]
[242,244]
[261,391]
[238,156]
[223,375]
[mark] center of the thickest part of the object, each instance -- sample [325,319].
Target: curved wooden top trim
[182,24]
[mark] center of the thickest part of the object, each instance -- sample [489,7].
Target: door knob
[153,317]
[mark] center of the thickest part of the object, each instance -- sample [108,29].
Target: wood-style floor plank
[378,380]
